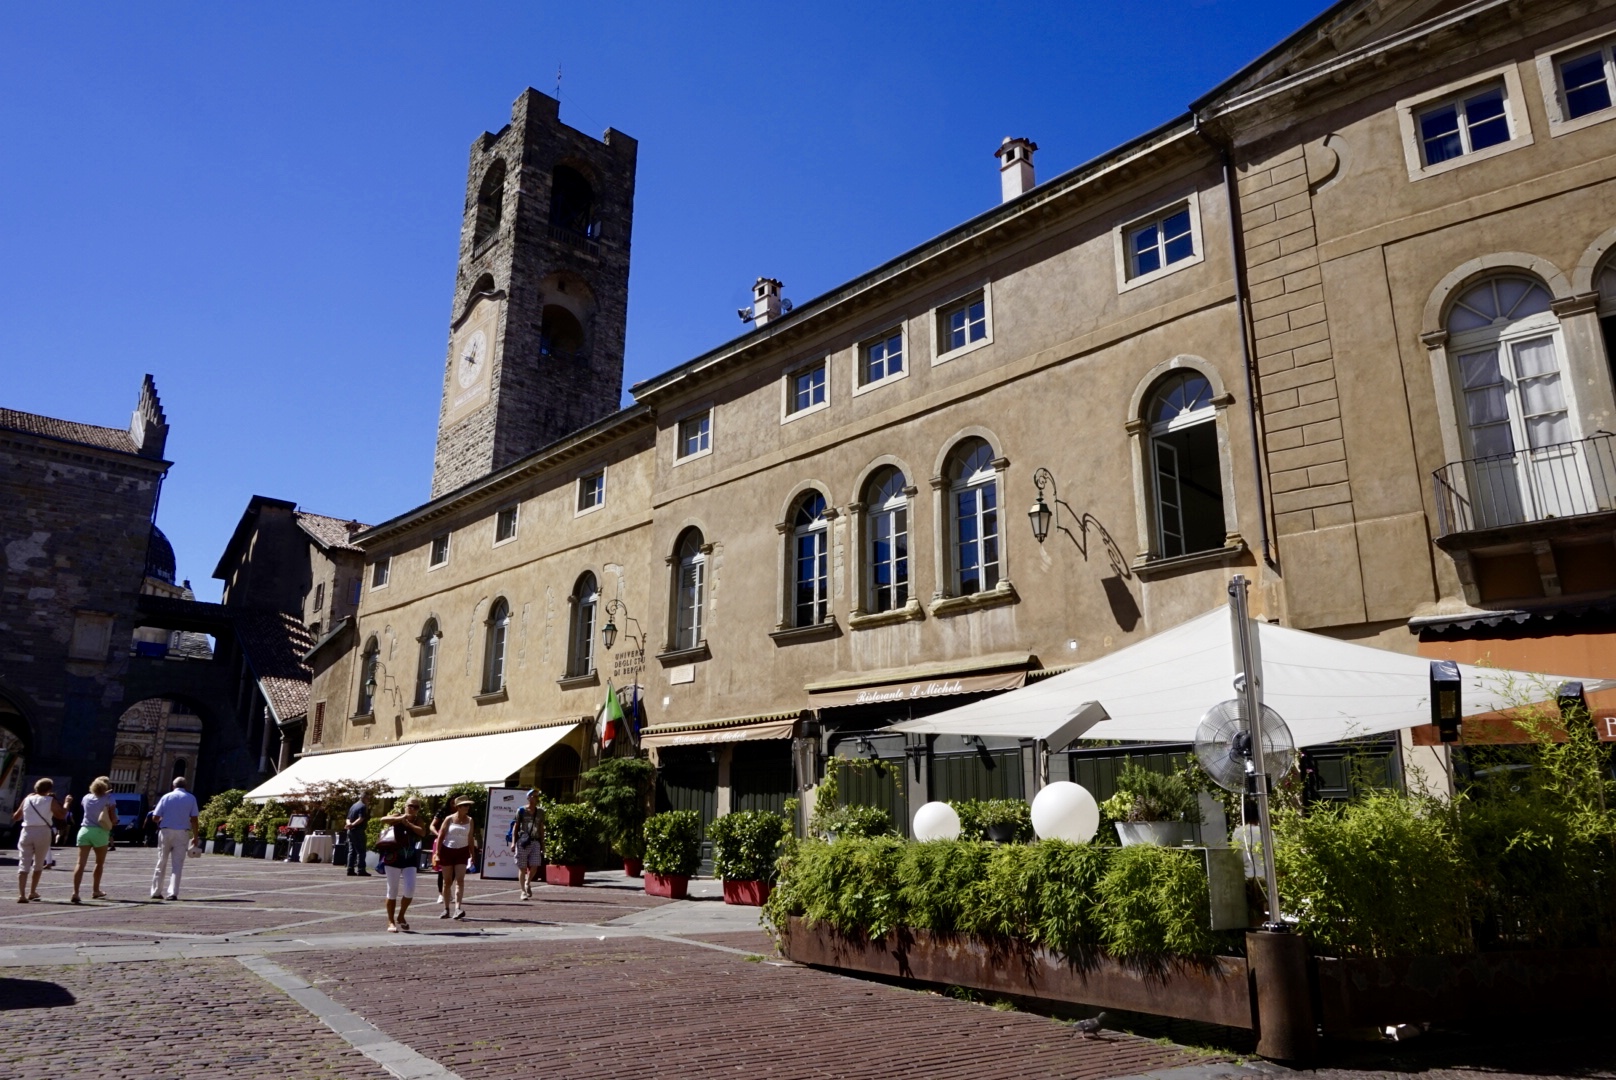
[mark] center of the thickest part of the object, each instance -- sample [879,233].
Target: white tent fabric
[432,767]
[1157,690]
[319,768]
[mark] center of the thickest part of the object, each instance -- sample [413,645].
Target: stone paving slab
[164,1019]
[637,1007]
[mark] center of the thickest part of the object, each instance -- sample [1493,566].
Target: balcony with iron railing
[573,238]
[1571,482]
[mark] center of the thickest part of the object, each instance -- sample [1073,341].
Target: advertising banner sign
[498,864]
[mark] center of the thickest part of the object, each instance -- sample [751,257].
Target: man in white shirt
[176,814]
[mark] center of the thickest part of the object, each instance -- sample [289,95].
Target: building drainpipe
[1237,252]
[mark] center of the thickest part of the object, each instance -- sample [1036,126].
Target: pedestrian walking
[400,852]
[38,814]
[176,814]
[358,822]
[527,842]
[457,844]
[95,833]
[436,828]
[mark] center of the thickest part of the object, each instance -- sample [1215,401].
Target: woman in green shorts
[95,834]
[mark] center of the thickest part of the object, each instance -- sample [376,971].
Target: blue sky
[260,204]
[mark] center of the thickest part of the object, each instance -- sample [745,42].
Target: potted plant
[745,846]
[214,816]
[1003,821]
[1153,808]
[672,852]
[853,822]
[619,789]
[569,830]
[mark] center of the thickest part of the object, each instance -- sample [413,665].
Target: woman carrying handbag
[100,815]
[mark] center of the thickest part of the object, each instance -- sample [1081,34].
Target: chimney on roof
[1015,167]
[148,427]
[353,528]
[766,303]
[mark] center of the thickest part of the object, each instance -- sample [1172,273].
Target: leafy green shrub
[239,822]
[218,810]
[570,829]
[1153,902]
[851,885]
[977,815]
[619,790]
[854,822]
[746,844]
[1062,882]
[270,817]
[1145,795]
[673,843]
[931,881]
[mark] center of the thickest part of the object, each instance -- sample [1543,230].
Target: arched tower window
[811,561]
[886,537]
[426,668]
[490,203]
[572,202]
[499,625]
[1186,473]
[689,591]
[581,650]
[560,333]
[1514,417]
[973,490]
[370,660]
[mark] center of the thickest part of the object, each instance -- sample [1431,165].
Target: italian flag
[611,715]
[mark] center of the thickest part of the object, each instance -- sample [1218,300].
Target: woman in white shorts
[38,814]
[400,862]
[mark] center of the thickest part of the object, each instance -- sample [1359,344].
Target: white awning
[319,768]
[1157,690]
[699,736]
[432,767]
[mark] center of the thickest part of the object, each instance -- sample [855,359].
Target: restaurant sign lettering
[918,689]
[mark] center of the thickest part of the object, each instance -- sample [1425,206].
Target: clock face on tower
[472,358]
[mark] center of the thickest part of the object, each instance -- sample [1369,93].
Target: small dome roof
[160,557]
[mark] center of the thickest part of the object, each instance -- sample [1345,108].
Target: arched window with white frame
[973,498]
[426,666]
[1516,426]
[689,591]
[581,648]
[1185,468]
[886,528]
[499,627]
[810,545]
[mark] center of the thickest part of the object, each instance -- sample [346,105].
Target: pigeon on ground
[1091,1028]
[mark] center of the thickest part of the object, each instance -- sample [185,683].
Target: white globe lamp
[937,821]
[1065,811]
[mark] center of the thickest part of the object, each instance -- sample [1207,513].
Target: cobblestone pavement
[283,972]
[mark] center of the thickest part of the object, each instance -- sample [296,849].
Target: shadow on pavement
[33,994]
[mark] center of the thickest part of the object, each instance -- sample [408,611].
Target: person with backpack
[399,850]
[526,840]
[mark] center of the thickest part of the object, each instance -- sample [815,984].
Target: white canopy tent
[1157,690]
[431,767]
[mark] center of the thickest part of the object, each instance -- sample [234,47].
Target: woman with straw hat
[456,846]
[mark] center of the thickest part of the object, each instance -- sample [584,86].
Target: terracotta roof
[49,427]
[329,532]
[274,643]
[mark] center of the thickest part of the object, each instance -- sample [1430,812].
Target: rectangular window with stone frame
[438,551]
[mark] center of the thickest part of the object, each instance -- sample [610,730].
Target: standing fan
[1223,745]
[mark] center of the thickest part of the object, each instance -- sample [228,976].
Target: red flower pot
[633,867]
[673,886]
[749,893]
[571,876]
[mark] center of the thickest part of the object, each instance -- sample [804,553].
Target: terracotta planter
[1161,833]
[673,886]
[748,893]
[633,867]
[570,876]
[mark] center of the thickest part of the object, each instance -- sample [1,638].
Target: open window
[426,666]
[369,662]
[490,204]
[572,203]
[1184,467]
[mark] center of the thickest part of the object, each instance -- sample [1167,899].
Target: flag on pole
[611,717]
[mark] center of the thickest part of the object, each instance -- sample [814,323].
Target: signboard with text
[498,864]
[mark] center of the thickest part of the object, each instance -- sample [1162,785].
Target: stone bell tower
[541,291]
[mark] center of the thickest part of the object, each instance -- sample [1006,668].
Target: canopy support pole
[1248,683]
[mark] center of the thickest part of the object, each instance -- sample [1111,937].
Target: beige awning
[732,729]
[1001,671]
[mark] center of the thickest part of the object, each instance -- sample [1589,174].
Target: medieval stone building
[1341,328]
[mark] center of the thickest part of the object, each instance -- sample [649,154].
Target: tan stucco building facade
[1338,329]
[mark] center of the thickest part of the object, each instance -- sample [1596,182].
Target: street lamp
[1042,514]
[608,633]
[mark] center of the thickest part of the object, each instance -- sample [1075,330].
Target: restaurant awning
[996,671]
[432,766]
[731,729]
[1326,689]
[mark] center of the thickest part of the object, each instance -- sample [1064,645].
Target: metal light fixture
[370,686]
[1042,514]
[1447,710]
[608,634]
